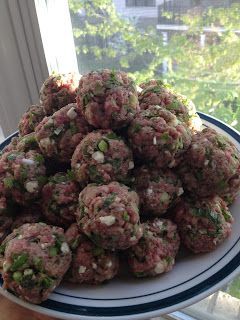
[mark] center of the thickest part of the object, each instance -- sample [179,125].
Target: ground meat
[155,92]
[58,90]
[157,135]
[203,224]
[22,175]
[156,250]
[107,99]
[90,264]
[30,119]
[60,200]
[102,156]
[35,261]
[6,221]
[211,166]
[59,134]
[158,190]
[108,215]
[27,143]
[31,214]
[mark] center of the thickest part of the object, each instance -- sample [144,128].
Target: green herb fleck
[53,251]
[98,251]
[109,200]
[39,158]
[103,146]
[19,261]
[17,276]
[136,128]
[8,183]
[126,216]
[113,136]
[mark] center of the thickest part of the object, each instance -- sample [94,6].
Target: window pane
[192,44]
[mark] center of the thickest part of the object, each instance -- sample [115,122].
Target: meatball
[59,134]
[30,119]
[22,175]
[60,200]
[108,215]
[158,190]
[107,99]
[35,261]
[90,264]
[102,156]
[157,135]
[211,166]
[58,90]
[31,214]
[156,250]
[155,92]
[203,224]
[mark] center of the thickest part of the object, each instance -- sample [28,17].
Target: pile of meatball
[102,169]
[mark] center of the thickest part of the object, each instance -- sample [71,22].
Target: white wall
[149,12]
[22,64]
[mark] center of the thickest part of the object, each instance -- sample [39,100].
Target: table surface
[11,311]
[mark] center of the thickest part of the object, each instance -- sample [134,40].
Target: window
[140,3]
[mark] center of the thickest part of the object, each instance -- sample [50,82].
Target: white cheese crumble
[160,267]
[133,238]
[29,162]
[109,264]
[130,165]
[180,191]
[94,265]
[149,191]
[206,162]
[31,186]
[98,156]
[108,220]
[82,269]
[65,247]
[154,140]
[72,113]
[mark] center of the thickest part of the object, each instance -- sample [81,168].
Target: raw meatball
[108,215]
[107,99]
[203,224]
[156,250]
[211,166]
[60,200]
[157,135]
[35,261]
[59,134]
[22,175]
[155,92]
[90,264]
[58,90]
[102,156]
[32,214]
[30,119]
[158,190]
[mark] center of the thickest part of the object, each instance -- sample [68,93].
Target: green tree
[209,75]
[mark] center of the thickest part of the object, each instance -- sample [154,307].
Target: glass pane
[193,44]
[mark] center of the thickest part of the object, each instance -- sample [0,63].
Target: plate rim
[51,307]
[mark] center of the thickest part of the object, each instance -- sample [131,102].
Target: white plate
[193,278]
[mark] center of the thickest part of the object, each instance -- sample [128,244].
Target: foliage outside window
[200,60]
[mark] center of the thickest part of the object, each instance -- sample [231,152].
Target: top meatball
[102,156]
[155,92]
[211,166]
[156,134]
[58,90]
[30,119]
[59,134]
[107,99]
